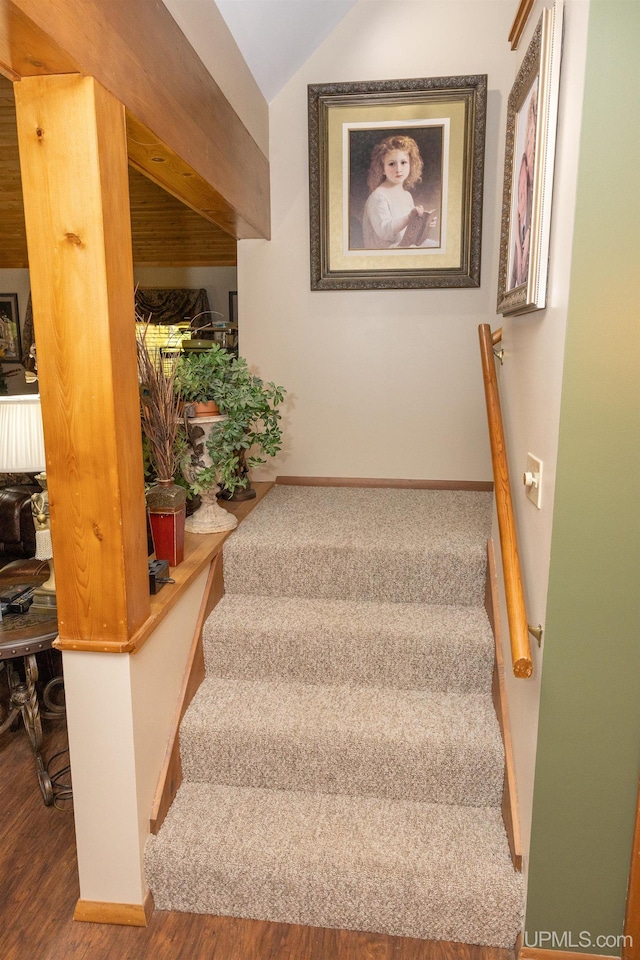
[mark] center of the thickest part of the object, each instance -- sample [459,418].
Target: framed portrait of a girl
[528,175]
[395,185]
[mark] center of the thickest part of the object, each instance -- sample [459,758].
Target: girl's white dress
[381,209]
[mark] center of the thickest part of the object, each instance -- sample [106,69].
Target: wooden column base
[125,914]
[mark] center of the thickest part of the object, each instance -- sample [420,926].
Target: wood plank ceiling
[164,231]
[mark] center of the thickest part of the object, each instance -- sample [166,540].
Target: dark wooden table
[22,637]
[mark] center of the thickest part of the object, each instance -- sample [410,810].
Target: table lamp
[22,451]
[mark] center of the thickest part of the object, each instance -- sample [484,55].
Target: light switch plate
[533,479]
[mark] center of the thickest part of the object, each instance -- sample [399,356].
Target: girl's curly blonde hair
[376,174]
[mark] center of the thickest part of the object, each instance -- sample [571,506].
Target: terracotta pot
[208,409]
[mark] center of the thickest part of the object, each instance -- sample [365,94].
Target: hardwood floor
[39,889]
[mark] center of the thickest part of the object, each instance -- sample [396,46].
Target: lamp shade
[21,436]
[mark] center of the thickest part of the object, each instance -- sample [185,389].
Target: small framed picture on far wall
[233,306]
[10,346]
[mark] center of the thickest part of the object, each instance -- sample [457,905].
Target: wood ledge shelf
[199,551]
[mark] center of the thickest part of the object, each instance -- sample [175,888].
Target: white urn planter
[210,517]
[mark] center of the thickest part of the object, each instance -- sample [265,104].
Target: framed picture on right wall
[532,114]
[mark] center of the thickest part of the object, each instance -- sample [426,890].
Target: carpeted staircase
[342,760]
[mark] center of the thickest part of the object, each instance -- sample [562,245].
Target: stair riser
[332,573]
[298,660]
[458,774]
[380,904]
[406,646]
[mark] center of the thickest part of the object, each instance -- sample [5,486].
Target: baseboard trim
[510,813]
[123,914]
[533,953]
[480,485]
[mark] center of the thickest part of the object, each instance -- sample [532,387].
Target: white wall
[530,388]
[206,30]
[386,383]
[120,709]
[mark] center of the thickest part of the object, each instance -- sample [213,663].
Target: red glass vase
[166,505]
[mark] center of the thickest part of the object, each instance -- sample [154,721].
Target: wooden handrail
[516,612]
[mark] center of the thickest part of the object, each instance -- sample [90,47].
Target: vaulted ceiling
[275,37]
[164,231]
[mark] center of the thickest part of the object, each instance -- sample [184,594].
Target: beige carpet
[342,759]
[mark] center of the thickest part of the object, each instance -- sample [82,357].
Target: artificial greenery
[251,430]
[200,376]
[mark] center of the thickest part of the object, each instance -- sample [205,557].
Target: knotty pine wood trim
[480,485]
[199,551]
[26,50]
[166,169]
[171,773]
[510,813]
[124,914]
[138,53]
[73,157]
[533,953]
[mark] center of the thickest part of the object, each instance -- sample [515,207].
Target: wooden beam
[26,50]
[138,53]
[74,171]
[165,168]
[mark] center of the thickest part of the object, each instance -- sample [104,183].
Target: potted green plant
[251,432]
[199,378]
[248,429]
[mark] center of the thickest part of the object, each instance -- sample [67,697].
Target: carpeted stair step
[387,866]
[423,546]
[337,641]
[411,744]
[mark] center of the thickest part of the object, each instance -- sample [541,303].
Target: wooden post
[73,158]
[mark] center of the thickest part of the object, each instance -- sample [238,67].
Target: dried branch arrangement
[159,406]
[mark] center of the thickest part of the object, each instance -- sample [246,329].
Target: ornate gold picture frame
[532,113]
[373,227]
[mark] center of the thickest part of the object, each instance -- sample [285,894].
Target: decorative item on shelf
[166,503]
[160,417]
[22,451]
[202,475]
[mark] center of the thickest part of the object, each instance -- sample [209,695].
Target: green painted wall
[589,732]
